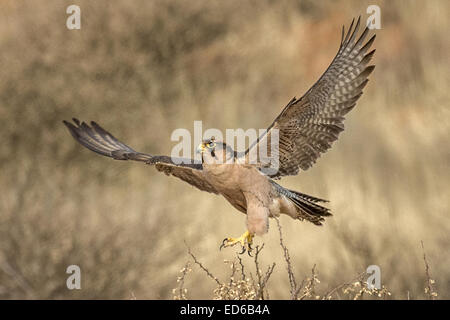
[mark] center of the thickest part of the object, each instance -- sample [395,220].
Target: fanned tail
[307,206]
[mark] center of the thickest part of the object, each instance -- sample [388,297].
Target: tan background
[145,68]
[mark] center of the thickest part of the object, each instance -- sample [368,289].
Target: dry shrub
[240,286]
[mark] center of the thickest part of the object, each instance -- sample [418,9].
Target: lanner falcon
[305,128]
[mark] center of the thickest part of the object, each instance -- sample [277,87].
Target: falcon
[304,129]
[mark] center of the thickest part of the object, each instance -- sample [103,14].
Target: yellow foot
[245,241]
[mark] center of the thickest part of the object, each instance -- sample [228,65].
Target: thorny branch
[202,267]
[429,288]
[292,282]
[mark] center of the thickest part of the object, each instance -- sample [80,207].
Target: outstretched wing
[308,126]
[99,140]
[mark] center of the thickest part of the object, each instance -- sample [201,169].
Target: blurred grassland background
[145,68]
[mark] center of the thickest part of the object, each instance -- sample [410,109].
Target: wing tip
[369,69]
[72,129]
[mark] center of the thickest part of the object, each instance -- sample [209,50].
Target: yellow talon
[246,240]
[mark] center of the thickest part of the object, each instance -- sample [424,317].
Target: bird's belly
[235,181]
[228,185]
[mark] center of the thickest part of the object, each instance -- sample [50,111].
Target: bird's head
[215,152]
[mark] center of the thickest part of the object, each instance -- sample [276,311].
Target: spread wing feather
[308,126]
[102,142]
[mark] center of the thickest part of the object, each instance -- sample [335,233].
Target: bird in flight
[304,129]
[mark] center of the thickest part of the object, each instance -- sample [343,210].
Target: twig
[233,271]
[264,282]
[292,282]
[309,288]
[202,267]
[181,290]
[258,271]
[331,292]
[242,267]
[429,289]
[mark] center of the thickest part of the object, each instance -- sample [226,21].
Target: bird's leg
[245,240]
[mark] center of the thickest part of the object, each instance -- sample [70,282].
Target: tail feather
[307,206]
[308,209]
[308,197]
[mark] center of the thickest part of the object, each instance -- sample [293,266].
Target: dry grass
[144,68]
[240,286]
